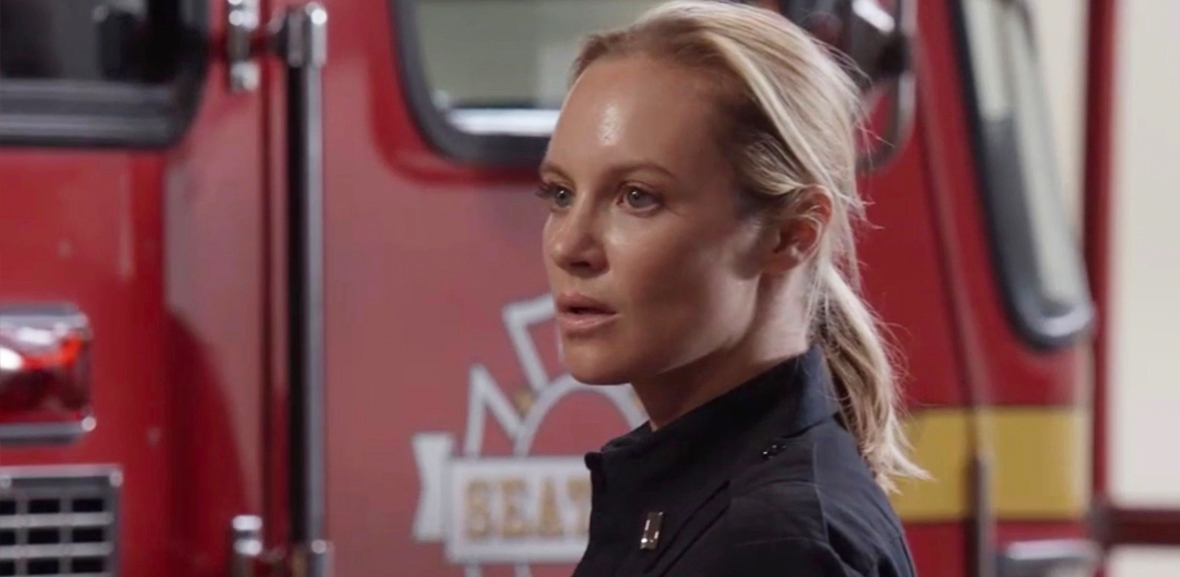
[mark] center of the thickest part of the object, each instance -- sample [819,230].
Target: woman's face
[651,264]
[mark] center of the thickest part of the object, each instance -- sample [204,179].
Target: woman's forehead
[636,107]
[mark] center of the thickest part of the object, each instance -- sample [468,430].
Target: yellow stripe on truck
[1039,459]
[940,440]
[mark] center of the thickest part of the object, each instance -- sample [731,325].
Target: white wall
[1146,408]
[1145,396]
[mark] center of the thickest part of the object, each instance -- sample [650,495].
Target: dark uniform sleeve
[784,558]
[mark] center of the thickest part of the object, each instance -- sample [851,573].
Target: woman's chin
[591,366]
[598,375]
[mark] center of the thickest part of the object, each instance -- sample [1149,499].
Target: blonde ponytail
[863,375]
[793,116]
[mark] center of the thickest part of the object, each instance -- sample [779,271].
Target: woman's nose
[575,244]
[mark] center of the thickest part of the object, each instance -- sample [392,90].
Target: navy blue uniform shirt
[763,480]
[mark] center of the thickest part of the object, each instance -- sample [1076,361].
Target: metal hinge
[312,560]
[242,21]
[245,546]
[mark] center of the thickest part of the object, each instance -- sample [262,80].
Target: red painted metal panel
[904,278]
[84,227]
[1025,531]
[275,425]
[214,222]
[1138,526]
[939,548]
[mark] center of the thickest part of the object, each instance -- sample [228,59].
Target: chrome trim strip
[1044,558]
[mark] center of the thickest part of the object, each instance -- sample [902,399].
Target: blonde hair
[792,117]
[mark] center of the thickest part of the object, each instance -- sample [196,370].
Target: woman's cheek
[650,258]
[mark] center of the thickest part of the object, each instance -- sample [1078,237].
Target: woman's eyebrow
[550,167]
[640,166]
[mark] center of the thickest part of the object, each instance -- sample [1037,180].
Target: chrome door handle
[302,43]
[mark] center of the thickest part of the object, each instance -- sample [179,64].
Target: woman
[701,190]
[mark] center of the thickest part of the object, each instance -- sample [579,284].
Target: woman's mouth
[579,315]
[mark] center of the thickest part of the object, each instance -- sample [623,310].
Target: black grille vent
[59,522]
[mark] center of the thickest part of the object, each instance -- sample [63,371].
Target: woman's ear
[797,235]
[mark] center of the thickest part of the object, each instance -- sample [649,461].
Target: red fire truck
[271,299]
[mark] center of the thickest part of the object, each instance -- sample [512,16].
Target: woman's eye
[558,196]
[639,199]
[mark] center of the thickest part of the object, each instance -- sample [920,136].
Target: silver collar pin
[651,530]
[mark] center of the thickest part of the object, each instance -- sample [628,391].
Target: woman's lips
[580,323]
[578,314]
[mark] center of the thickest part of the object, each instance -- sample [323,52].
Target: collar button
[774,449]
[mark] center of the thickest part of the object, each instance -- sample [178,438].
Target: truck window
[98,72]
[1036,250]
[486,77]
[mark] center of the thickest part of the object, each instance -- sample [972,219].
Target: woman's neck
[674,393]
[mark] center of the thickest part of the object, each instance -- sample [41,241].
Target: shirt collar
[689,458]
